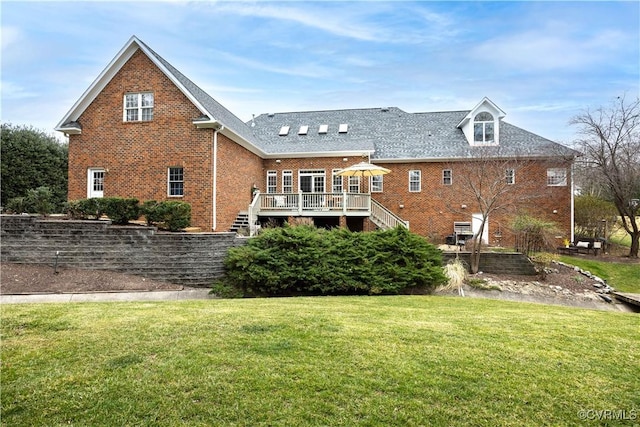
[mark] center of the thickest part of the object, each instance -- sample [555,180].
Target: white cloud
[10,36]
[12,90]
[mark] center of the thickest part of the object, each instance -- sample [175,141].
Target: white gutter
[214,204]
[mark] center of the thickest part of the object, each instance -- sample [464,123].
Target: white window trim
[510,176]
[444,177]
[419,181]
[354,181]
[557,174]
[272,174]
[334,175]
[380,187]
[139,107]
[169,181]
[285,174]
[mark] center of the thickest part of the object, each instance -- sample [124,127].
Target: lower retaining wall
[497,262]
[193,259]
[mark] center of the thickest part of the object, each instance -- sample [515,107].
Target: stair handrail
[254,207]
[385,216]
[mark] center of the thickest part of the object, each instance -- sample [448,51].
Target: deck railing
[384,218]
[309,202]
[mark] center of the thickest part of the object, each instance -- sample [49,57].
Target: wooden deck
[628,298]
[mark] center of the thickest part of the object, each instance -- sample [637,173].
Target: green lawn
[375,361]
[622,277]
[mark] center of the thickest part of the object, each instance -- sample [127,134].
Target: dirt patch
[37,279]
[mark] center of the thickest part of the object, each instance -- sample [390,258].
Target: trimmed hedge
[304,260]
[170,215]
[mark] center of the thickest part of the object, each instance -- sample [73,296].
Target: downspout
[572,204]
[214,204]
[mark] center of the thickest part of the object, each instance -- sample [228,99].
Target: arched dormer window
[483,129]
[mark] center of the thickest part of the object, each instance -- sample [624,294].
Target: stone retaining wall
[497,262]
[193,259]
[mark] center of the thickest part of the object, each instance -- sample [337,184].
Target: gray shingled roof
[393,133]
[217,110]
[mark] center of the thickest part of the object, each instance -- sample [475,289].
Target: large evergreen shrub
[305,260]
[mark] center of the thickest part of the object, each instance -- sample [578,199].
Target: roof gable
[214,114]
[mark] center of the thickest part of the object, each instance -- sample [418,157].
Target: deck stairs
[241,221]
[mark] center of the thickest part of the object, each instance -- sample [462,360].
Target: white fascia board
[99,83]
[306,155]
[492,106]
[111,70]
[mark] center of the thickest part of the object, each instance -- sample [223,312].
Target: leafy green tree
[30,159]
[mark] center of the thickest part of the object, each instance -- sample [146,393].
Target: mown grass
[377,361]
[622,277]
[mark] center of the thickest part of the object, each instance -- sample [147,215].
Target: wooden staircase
[241,221]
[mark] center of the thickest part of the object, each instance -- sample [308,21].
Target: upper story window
[447,177]
[510,176]
[176,182]
[272,181]
[483,129]
[138,107]
[376,183]
[557,177]
[415,181]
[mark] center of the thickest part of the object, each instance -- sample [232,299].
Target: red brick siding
[238,171]
[138,154]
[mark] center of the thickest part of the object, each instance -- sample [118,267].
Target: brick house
[143,129]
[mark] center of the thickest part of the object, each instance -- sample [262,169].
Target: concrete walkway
[189,294]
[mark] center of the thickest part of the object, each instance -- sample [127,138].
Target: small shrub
[121,210]
[150,212]
[542,261]
[74,209]
[40,199]
[92,208]
[18,205]
[170,215]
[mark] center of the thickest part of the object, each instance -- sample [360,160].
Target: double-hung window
[415,181]
[272,182]
[138,107]
[557,177]
[176,182]
[510,176]
[354,184]
[483,129]
[336,181]
[376,184]
[447,177]
[287,181]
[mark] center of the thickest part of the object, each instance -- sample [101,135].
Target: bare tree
[488,181]
[610,143]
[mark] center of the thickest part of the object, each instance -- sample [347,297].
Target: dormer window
[138,107]
[483,125]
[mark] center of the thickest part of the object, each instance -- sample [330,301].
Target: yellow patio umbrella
[363,169]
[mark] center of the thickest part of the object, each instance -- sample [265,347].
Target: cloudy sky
[541,62]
